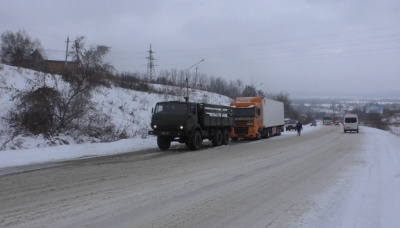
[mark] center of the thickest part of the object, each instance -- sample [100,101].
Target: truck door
[192,116]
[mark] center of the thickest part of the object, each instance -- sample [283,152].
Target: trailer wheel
[195,141]
[163,142]
[217,139]
[225,137]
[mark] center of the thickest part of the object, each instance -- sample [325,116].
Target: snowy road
[267,183]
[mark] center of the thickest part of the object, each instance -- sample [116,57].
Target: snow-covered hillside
[129,111]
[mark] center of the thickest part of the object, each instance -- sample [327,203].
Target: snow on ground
[9,158]
[368,194]
[394,129]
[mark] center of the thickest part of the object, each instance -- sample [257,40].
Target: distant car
[291,125]
[314,123]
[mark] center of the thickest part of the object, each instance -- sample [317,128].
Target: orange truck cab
[256,118]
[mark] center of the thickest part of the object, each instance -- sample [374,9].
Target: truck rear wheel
[225,137]
[163,142]
[195,141]
[278,131]
[217,139]
[267,133]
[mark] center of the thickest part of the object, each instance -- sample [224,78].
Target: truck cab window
[192,109]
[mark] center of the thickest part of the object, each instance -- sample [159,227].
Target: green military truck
[191,123]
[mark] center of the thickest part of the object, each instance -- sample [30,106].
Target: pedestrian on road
[299,127]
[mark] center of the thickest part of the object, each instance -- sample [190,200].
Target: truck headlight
[181,127]
[154,126]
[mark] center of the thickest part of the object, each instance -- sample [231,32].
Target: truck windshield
[175,108]
[327,118]
[244,112]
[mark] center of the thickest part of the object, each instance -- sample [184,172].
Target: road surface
[266,183]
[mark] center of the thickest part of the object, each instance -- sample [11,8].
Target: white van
[350,123]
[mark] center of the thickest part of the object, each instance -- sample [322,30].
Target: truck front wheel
[195,141]
[163,142]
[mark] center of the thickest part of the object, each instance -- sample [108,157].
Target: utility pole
[187,79]
[66,52]
[150,64]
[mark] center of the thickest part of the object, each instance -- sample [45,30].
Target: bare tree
[203,80]
[249,91]
[17,46]
[234,90]
[174,77]
[164,77]
[194,80]
[46,109]
[38,109]
[91,73]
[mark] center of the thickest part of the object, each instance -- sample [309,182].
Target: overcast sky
[321,47]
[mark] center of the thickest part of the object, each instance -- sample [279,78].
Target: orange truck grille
[241,124]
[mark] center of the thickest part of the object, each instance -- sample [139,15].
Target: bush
[37,109]
[375,120]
